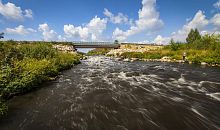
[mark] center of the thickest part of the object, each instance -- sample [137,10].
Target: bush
[174,46]
[140,55]
[98,51]
[3,109]
[24,66]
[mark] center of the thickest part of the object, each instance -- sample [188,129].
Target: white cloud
[161,40]
[148,21]
[11,11]
[60,38]
[217,4]
[48,34]
[91,31]
[199,21]
[116,19]
[28,13]
[216,20]
[20,30]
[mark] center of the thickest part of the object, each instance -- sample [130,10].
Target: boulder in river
[126,60]
[130,74]
[203,63]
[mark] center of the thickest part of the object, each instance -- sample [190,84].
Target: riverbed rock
[126,60]
[110,76]
[204,63]
[130,74]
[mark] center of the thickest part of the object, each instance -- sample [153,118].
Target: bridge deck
[95,45]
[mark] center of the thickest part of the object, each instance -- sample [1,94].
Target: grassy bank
[98,51]
[194,56]
[25,66]
[198,49]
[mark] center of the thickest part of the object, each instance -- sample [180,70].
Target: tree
[1,35]
[197,35]
[193,36]
[174,45]
[116,42]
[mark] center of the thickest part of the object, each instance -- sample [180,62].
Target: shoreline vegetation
[24,66]
[204,50]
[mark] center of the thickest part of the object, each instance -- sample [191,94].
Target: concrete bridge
[95,45]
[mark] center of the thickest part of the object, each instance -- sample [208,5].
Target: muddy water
[105,94]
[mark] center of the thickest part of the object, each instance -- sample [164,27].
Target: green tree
[174,45]
[193,36]
[116,42]
[1,35]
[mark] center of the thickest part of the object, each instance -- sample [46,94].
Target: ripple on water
[215,96]
[110,94]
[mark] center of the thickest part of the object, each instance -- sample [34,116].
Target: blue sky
[147,21]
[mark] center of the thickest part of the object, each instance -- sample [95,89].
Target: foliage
[140,55]
[98,51]
[193,36]
[198,49]
[174,46]
[116,42]
[1,35]
[24,66]
[3,108]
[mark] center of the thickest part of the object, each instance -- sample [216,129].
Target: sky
[142,21]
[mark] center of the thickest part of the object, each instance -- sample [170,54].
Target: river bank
[26,66]
[127,52]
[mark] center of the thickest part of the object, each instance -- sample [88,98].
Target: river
[106,94]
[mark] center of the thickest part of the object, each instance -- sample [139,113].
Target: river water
[106,94]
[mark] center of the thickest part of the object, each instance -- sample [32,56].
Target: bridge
[95,45]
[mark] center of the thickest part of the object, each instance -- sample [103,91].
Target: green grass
[206,49]
[98,51]
[139,55]
[195,56]
[25,66]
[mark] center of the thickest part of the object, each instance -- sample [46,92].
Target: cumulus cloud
[217,4]
[48,34]
[161,40]
[91,31]
[11,11]
[28,13]
[199,21]
[20,30]
[148,21]
[216,20]
[116,19]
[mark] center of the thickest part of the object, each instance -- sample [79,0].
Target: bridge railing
[93,43]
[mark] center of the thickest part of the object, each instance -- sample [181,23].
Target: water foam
[215,96]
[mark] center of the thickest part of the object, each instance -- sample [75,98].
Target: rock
[110,76]
[134,59]
[166,58]
[181,61]
[126,60]
[203,63]
[84,58]
[130,74]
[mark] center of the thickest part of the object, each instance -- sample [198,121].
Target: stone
[203,63]
[126,60]
[130,74]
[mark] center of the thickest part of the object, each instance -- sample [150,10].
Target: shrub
[24,66]
[98,51]
[3,109]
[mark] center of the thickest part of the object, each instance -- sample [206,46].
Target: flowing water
[106,94]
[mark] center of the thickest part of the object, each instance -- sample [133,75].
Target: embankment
[25,66]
